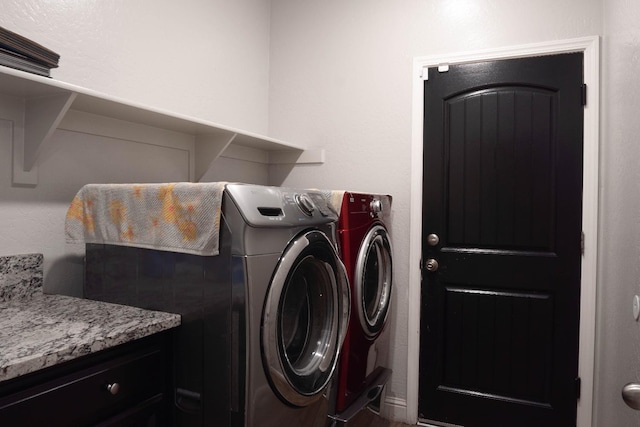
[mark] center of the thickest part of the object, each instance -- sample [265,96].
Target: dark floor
[368,419]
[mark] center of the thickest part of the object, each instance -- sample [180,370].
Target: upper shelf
[45,104]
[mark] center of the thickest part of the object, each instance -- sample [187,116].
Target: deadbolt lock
[433,239]
[431,265]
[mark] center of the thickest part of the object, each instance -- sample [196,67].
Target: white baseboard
[394,409]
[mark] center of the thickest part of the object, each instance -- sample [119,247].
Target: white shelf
[38,106]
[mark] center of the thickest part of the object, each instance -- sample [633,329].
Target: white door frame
[590,47]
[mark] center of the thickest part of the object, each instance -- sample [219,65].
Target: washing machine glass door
[304,319]
[373,276]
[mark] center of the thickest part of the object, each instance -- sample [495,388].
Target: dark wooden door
[503,193]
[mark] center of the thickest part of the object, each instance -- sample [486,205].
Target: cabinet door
[129,383]
[150,413]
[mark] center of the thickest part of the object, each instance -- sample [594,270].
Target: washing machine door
[305,318]
[373,276]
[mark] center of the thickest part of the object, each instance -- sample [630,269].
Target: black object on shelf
[21,62]
[24,54]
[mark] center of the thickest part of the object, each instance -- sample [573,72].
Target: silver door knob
[433,239]
[113,388]
[431,265]
[631,395]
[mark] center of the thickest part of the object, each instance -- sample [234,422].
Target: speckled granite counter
[39,330]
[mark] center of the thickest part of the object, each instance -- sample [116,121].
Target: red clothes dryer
[365,250]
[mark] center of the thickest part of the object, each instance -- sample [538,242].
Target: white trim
[590,46]
[394,408]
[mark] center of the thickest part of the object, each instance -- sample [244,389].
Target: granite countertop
[39,330]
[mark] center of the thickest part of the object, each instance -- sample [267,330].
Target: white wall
[341,79]
[204,58]
[618,334]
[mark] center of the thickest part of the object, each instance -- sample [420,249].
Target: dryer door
[305,318]
[373,277]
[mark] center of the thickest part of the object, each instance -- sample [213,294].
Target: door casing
[590,47]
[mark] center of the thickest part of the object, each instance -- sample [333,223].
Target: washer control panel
[265,206]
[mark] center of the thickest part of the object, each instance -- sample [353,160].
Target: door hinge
[578,387]
[424,73]
[584,95]
[582,243]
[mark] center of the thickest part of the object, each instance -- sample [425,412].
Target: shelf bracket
[208,148]
[41,118]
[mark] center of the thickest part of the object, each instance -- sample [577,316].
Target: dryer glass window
[373,280]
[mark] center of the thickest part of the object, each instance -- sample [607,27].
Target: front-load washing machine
[365,248]
[263,321]
[287,270]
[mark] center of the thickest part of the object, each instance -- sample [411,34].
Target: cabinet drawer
[89,395]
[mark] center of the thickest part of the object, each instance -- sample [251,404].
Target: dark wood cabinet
[124,386]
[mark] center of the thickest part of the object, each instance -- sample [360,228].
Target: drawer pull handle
[113,388]
[188,401]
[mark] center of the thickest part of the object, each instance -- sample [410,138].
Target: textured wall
[618,356]
[341,79]
[203,58]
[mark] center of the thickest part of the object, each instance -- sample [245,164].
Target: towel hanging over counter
[177,217]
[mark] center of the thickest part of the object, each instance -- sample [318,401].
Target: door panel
[503,191]
[491,154]
[487,351]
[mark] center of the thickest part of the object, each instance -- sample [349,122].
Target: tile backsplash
[20,276]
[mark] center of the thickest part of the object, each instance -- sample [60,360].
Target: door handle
[631,395]
[433,239]
[431,265]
